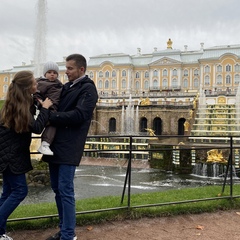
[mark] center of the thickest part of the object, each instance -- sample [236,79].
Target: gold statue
[145,101]
[191,114]
[169,43]
[214,155]
[150,131]
[186,126]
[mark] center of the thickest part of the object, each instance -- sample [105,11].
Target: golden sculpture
[150,131]
[215,156]
[169,43]
[186,125]
[191,114]
[145,101]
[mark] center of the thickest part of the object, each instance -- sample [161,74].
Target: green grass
[134,213]
[1,103]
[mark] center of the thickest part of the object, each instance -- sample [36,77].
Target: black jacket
[72,120]
[15,147]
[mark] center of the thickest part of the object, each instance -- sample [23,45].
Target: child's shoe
[44,148]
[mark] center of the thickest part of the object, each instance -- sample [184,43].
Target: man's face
[72,70]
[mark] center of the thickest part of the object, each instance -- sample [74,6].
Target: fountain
[40,37]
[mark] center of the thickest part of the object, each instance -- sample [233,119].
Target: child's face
[51,75]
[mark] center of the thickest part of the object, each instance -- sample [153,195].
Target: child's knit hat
[50,66]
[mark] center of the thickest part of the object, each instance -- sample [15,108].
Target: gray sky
[94,27]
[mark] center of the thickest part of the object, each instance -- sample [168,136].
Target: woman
[16,125]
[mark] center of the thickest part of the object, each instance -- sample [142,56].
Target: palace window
[185,83]
[206,80]
[114,84]
[100,74]
[228,68]
[155,73]
[165,83]
[137,75]
[165,72]
[124,73]
[207,69]
[146,85]
[174,72]
[114,73]
[107,74]
[124,83]
[219,68]
[174,83]
[137,85]
[219,80]
[155,84]
[5,88]
[196,83]
[6,79]
[112,125]
[196,72]
[185,73]
[100,84]
[237,68]
[146,74]
[236,79]
[106,86]
[91,74]
[228,79]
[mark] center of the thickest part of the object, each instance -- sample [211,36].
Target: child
[49,86]
[16,125]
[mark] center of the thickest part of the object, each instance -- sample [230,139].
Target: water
[97,181]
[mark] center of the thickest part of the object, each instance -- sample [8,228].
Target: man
[72,120]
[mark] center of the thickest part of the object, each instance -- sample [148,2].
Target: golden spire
[169,44]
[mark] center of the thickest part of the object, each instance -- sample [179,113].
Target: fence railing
[175,148]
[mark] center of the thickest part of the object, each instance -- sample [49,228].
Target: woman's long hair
[15,113]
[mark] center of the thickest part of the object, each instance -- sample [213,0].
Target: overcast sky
[94,27]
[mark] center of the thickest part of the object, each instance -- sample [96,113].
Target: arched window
[196,72]
[155,84]
[174,72]
[157,125]
[185,73]
[113,73]
[100,84]
[100,74]
[165,72]
[146,85]
[114,85]
[219,80]
[106,84]
[207,69]
[124,74]
[185,83]
[219,68]
[165,83]
[137,85]
[174,83]
[228,79]
[228,68]
[155,73]
[91,74]
[237,68]
[206,80]
[6,79]
[5,88]
[137,75]
[143,124]
[112,125]
[237,79]
[107,74]
[195,83]
[146,74]
[124,83]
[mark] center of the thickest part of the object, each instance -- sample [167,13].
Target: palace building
[155,90]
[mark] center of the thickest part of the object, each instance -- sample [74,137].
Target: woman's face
[34,86]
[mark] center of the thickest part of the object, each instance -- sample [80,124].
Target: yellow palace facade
[215,69]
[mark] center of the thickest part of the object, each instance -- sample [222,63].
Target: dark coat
[15,147]
[72,120]
[50,89]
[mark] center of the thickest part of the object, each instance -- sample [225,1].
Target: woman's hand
[46,103]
